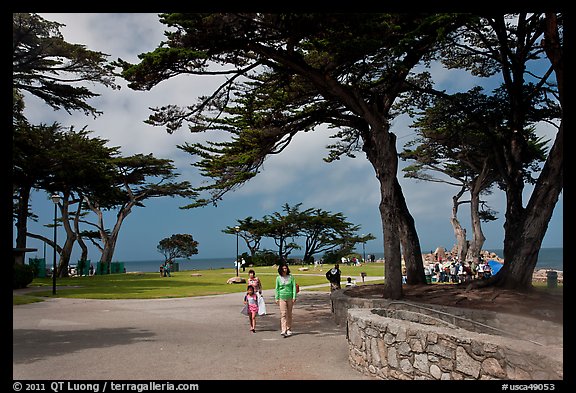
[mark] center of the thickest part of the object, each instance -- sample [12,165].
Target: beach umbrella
[495,266]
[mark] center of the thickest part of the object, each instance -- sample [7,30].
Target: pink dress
[252,303]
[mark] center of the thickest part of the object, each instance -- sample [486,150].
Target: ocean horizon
[548,258]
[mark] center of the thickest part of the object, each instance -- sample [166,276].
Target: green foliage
[22,275]
[265,258]
[250,230]
[320,230]
[333,257]
[48,67]
[178,246]
[289,73]
[298,71]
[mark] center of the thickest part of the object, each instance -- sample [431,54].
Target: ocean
[548,258]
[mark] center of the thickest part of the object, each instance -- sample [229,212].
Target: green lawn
[182,284]
[191,283]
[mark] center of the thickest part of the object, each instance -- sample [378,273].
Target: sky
[297,175]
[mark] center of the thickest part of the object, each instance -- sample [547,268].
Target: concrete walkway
[199,338]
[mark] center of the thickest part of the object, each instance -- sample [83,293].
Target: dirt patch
[541,303]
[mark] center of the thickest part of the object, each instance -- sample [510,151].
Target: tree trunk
[519,266]
[459,231]
[381,152]
[108,251]
[66,252]
[392,254]
[410,242]
[478,238]
[110,245]
[65,255]
[109,241]
[22,217]
[83,247]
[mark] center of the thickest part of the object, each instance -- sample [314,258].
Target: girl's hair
[250,286]
[280,269]
[251,271]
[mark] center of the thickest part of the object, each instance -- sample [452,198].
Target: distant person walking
[333,275]
[285,296]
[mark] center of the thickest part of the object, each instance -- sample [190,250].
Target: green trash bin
[114,267]
[552,278]
[175,267]
[428,279]
[83,268]
[101,268]
[117,267]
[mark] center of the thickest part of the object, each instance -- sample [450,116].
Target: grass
[186,283]
[190,283]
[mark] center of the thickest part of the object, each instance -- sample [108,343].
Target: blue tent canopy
[495,266]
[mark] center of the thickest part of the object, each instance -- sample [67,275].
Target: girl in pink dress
[257,284]
[251,300]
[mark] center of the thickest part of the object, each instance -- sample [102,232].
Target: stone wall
[530,329]
[407,340]
[410,346]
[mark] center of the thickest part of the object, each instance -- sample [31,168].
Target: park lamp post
[237,229]
[56,199]
[364,248]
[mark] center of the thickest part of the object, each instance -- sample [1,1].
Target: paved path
[199,338]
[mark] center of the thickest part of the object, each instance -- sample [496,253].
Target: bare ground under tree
[541,303]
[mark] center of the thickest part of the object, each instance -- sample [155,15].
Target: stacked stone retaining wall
[407,340]
[528,328]
[391,348]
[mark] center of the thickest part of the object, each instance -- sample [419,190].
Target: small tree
[251,231]
[178,246]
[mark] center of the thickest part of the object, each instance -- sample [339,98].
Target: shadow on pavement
[30,345]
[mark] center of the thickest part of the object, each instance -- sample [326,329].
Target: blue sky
[298,175]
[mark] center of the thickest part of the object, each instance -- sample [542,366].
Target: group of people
[240,264]
[285,292]
[350,261]
[165,269]
[458,272]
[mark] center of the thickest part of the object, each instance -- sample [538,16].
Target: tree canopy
[321,231]
[178,246]
[46,66]
[290,73]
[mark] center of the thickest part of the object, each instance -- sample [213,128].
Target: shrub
[23,275]
[265,258]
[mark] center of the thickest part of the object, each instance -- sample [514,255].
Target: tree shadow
[312,315]
[30,345]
